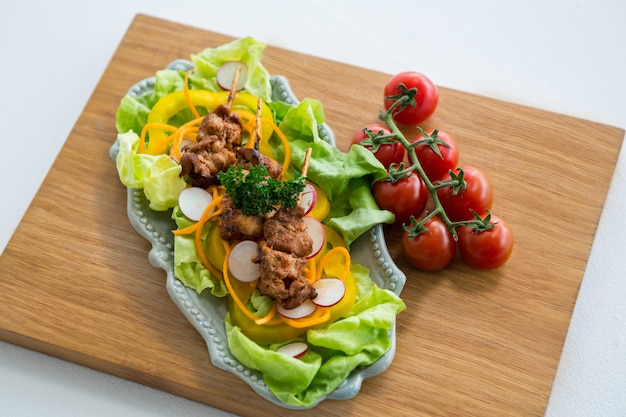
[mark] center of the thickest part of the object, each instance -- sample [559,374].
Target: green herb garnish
[255,192]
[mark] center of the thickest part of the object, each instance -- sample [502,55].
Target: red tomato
[478,195]
[405,197]
[434,165]
[431,250]
[387,154]
[486,250]
[425,101]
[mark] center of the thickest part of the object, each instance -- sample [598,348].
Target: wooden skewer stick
[233,87]
[257,130]
[305,164]
[305,167]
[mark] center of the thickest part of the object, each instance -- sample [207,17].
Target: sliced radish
[241,261]
[193,201]
[308,198]
[293,349]
[226,74]
[303,310]
[315,229]
[329,291]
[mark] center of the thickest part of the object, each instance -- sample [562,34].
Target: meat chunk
[286,231]
[214,150]
[223,124]
[281,277]
[247,157]
[202,162]
[234,225]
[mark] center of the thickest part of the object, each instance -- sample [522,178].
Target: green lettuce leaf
[157,175]
[132,114]
[187,265]
[346,180]
[356,211]
[359,339]
[246,50]
[302,121]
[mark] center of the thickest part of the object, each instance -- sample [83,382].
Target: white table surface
[564,56]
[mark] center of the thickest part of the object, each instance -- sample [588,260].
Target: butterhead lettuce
[247,50]
[358,339]
[158,175]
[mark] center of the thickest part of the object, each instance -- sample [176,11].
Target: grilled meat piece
[223,124]
[285,231]
[214,151]
[247,157]
[202,165]
[281,277]
[234,225]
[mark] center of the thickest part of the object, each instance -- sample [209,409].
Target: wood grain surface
[76,283]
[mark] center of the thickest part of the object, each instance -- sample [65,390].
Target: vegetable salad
[358,334]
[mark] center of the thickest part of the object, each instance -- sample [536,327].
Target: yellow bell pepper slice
[171,104]
[215,251]
[322,205]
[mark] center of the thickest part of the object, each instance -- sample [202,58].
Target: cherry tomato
[434,165]
[387,154]
[486,250]
[425,101]
[431,250]
[405,197]
[478,195]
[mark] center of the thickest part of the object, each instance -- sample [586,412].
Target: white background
[564,56]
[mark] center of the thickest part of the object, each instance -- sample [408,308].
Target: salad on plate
[271,229]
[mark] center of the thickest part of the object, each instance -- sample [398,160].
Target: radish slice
[226,74]
[315,229]
[329,291]
[308,198]
[241,261]
[193,201]
[303,310]
[293,349]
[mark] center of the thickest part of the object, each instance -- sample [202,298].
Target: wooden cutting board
[75,281]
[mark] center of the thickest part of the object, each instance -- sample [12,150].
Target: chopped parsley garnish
[255,192]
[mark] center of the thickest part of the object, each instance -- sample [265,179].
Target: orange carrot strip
[311,274]
[192,106]
[227,247]
[249,124]
[162,141]
[217,190]
[206,216]
[208,212]
[186,230]
[319,316]
[285,143]
[178,139]
[144,131]
[322,263]
[249,128]
[159,144]
[230,288]
[244,114]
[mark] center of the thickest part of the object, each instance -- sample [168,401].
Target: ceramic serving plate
[206,312]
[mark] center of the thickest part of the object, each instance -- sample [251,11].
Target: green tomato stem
[416,166]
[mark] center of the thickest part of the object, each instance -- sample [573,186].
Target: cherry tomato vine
[484,241]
